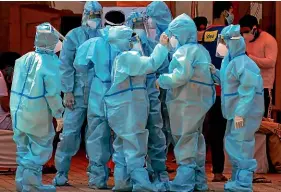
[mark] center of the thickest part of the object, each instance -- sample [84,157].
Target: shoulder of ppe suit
[74,35]
[244,63]
[187,51]
[22,59]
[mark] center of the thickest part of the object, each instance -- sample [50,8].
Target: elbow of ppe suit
[247,90]
[171,81]
[67,56]
[142,65]
[52,94]
[181,74]
[55,104]
[159,56]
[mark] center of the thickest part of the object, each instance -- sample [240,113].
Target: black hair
[219,7]
[248,21]
[200,21]
[116,17]
[8,59]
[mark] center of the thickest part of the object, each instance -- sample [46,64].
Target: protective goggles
[95,15]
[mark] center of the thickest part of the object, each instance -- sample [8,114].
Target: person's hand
[59,124]
[164,40]
[68,100]
[212,69]
[238,122]
[157,84]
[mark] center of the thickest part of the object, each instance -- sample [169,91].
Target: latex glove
[157,84]
[68,100]
[59,124]
[238,122]
[212,69]
[164,40]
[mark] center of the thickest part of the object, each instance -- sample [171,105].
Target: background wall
[205,8]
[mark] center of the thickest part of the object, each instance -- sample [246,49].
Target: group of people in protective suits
[113,77]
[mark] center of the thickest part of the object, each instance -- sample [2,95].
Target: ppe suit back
[30,111]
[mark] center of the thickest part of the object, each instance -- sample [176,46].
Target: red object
[218,90]
[110,164]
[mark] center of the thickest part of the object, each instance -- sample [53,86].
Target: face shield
[140,28]
[151,25]
[94,19]
[221,50]
[136,44]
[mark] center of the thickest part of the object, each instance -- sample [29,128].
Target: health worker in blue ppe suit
[242,106]
[157,141]
[35,100]
[75,87]
[96,54]
[127,106]
[190,95]
[159,17]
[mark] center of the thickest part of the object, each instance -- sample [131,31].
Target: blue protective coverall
[191,94]
[35,100]
[127,108]
[242,95]
[161,15]
[78,84]
[156,141]
[96,55]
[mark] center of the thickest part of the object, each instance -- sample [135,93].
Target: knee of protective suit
[69,143]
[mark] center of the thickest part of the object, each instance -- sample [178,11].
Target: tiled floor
[78,179]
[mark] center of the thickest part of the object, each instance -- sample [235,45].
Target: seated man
[5,117]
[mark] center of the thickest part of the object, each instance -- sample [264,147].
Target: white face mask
[221,50]
[58,47]
[92,24]
[174,42]
[248,37]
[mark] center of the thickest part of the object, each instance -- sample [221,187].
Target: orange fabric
[132,3]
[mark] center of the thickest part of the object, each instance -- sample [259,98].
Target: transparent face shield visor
[151,27]
[221,50]
[140,24]
[136,43]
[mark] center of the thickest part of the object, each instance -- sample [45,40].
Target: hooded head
[183,29]
[119,37]
[46,37]
[137,23]
[161,15]
[234,41]
[92,14]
